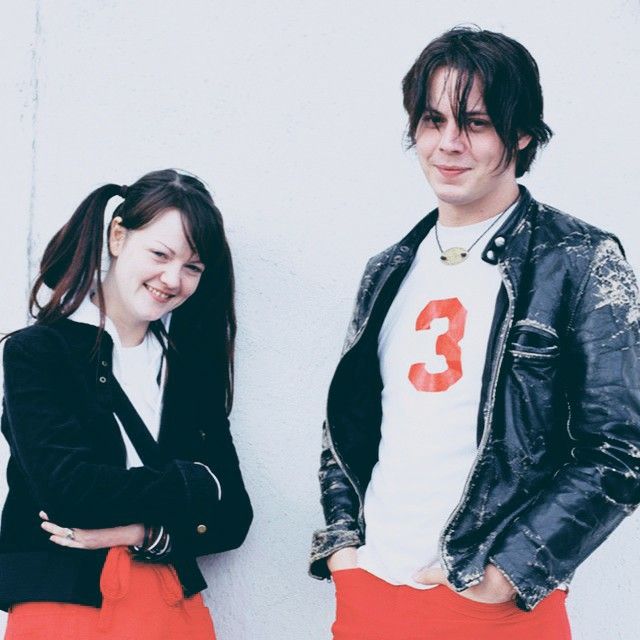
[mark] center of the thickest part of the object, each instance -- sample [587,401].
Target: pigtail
[72,259]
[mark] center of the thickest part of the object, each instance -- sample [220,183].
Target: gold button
[201,528]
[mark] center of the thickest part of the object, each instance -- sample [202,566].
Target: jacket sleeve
[340,505]
[225,526]
[600,485]
[51,441]
[337,495]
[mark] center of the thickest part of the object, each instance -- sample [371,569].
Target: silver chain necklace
[456,255]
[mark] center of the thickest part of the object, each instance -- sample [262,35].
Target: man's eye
[432,121]
[479,124]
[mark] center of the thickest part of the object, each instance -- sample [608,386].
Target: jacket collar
[89,313]
[512,232]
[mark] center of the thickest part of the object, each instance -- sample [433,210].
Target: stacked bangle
[156,544]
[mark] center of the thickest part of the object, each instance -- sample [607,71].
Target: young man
[484,419]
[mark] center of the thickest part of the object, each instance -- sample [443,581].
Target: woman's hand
[132,534]
[493,589]
[346,558]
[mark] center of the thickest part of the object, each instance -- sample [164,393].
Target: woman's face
[153,270]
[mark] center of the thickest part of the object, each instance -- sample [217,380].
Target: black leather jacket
[558,461]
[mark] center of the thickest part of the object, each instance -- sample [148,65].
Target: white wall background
[291,111]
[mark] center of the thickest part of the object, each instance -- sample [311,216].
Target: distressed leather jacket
[558,435]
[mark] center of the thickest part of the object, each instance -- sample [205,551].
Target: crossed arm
[127,535]
[71,483]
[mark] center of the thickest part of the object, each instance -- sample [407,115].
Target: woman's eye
[195,268]
[159,254]
[479,124]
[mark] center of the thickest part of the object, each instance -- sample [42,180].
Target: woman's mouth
[157,295]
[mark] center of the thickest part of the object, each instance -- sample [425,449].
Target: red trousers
[140,602]
[371,609]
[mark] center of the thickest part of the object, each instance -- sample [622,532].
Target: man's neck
[459,215]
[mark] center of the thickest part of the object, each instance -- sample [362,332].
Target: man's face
[464,168]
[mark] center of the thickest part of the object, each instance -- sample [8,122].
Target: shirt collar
[89,313]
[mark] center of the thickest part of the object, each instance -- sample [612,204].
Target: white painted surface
[292,113]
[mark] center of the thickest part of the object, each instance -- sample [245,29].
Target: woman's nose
[170,276]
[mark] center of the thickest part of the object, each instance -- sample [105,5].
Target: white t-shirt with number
[431,348]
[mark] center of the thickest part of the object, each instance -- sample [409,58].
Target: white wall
[291,111]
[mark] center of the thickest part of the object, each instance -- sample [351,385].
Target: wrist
[500,581]
[137,535]
[155,544]
[345,558]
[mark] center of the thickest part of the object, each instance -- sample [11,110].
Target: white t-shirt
[138,369]
[432,349]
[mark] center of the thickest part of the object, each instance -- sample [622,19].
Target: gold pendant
[454,256]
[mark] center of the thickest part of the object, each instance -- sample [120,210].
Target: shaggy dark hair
[203,328]
[510,83]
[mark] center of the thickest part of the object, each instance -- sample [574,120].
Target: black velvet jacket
[558,461]
[68,459]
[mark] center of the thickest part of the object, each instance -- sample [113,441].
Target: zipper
[354,342]
[488,414]
[347,473]
[332,447]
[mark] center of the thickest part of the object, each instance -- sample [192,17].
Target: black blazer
[68,459]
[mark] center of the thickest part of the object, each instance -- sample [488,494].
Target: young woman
[122,467]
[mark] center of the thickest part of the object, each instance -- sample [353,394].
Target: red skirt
[141,601]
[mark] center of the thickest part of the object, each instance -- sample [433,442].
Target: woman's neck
[130,333]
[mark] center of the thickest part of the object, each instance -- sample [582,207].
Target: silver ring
[71,535]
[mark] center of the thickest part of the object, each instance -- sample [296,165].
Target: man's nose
[451,138]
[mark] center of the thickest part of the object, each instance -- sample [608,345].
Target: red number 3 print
[446,345]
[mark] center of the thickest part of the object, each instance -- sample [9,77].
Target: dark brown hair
[205,323]
[510,83]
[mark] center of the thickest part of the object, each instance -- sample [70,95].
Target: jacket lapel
[146,447]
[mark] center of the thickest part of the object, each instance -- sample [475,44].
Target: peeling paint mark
[471,579]
[531,322]
[627,509]
[634,452]
[615,281]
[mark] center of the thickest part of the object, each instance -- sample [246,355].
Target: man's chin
[453,197]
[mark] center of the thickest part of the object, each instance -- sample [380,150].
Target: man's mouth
[450,170]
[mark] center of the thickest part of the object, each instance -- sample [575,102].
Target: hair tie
[124,190]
